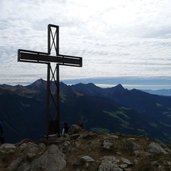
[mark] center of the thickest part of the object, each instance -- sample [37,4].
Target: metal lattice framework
[53,120]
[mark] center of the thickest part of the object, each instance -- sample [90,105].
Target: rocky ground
[86,151]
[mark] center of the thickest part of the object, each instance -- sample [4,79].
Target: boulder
[74,129]
[7,148]
[169,163]
[31,150]
[51,160]
[155,148]
[109,163]
[66,147]
[107,144]
[168,150]
[114,136]
[123,166]
[87,159]
[131,146]
[126,161]
[66,143]
[14,164]
[85,163]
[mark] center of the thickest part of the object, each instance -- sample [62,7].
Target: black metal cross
[53,120]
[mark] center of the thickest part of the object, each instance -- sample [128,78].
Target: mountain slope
[137,112]
[101,109]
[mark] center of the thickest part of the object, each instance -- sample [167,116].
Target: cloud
[122,37]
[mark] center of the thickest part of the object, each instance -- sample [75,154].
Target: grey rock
[107,144]
[22,147]
[161,168]
[31,149]
[42,146]
[109,163]
[169,163]
[67,143]
[51,160]
[83,160]
[74,129]
[126,161]
[85,163]
[168,150]
[66,146]
[155,148]
[14,165]
[109,167]
[87,159]
[114,136]
[135,161]
[141,153]
[77,144]
[123,166]
[7,148]
[132,145]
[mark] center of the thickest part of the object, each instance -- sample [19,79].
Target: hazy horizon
[147,83]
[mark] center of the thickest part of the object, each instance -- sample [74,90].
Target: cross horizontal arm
[41,57]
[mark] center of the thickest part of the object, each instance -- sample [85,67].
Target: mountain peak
[40,83]
[89,89]
[85,86]
[119,87]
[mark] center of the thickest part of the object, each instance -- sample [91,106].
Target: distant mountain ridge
[161,92]
[113,109]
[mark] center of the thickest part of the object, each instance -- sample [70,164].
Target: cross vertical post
[53,119]
[58,100]
[48,100]
[53,44]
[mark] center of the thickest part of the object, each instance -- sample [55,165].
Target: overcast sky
[114,37]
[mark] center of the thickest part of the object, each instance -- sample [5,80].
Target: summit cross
[53,120]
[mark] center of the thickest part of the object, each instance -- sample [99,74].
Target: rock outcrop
[86,151]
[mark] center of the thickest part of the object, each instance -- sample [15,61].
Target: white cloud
[116,38]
